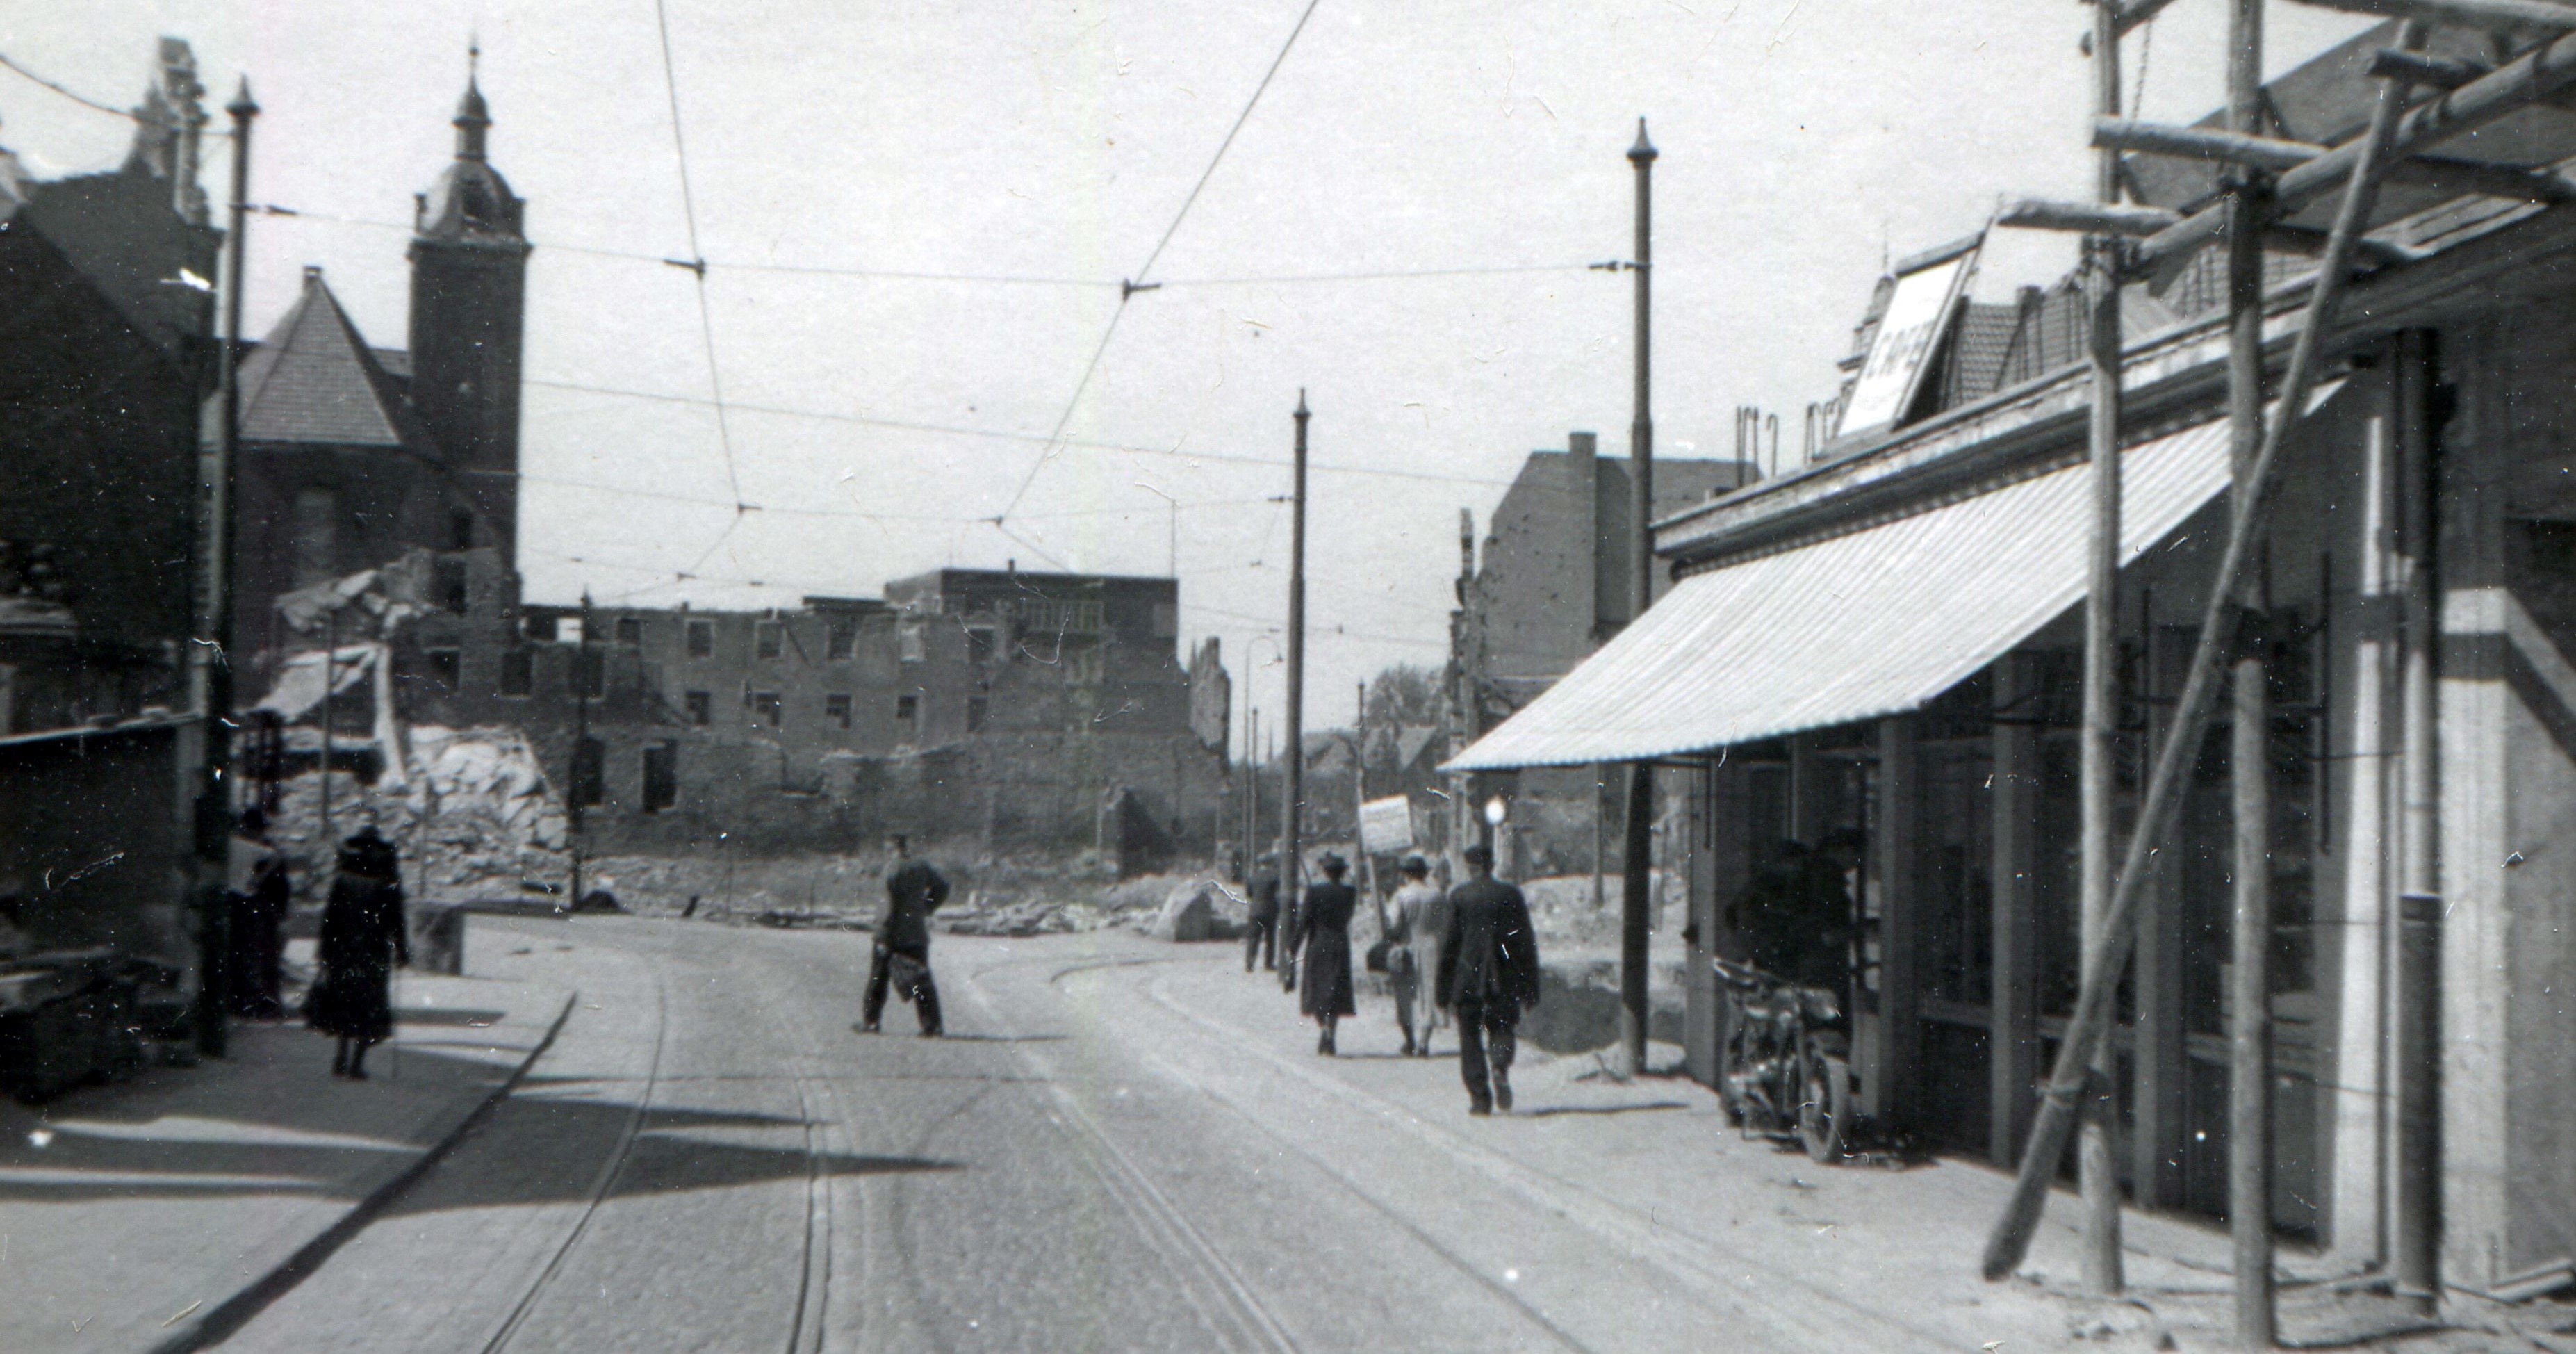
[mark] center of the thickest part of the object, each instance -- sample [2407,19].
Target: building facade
[1889,641]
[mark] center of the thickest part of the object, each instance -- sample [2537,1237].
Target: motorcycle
[1787,1069]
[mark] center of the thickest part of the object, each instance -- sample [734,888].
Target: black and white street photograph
[1078,676]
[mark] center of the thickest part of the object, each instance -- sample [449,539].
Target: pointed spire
[1301,404]
[1643,153]
[472,114]
[242,107]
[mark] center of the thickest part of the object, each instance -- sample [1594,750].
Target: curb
[211,1325]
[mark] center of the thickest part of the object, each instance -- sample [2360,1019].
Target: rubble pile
[474,818]
[990,895]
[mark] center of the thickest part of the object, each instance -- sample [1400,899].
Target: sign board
[1386,825]
[1928,288]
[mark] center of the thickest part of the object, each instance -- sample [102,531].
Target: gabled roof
[314,381]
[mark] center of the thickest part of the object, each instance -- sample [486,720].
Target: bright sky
[915,156]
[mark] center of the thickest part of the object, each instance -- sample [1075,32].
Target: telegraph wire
[111,110]
[697,261]
[1128,288]
[959,430]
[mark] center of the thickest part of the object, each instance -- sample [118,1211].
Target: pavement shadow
[1550,1111]
[447,1015]
[280,1142]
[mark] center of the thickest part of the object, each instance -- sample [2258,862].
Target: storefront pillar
[1889,1072]
[2160,1058]
[2013,1037]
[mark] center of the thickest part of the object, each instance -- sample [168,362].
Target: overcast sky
[965,185]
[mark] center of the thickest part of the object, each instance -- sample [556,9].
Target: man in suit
[1488,973]
[1261,920]
[913,890]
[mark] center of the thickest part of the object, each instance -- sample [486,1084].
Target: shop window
[702,639]
[701,708]
[841,639]
[630,631]
[661,776]
[446,667]
[518,672]
[836,709]
[455,590]
[978,708]
[768,639]
[768,710]
[589,783]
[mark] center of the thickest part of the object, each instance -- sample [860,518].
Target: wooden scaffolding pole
[2249,1083]
[2097,1174]
[2086,1031]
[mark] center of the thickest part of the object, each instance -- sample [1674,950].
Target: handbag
[1377,955]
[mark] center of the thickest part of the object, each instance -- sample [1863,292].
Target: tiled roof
[314,381]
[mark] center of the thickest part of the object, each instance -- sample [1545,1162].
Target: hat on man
[1332,863]
[1478,854]
[1415,866]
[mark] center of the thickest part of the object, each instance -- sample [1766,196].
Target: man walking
[1421,915]
[902,954]
[1261,920]
[1488,973]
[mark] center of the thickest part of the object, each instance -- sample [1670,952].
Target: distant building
[1552,583]
[352,454]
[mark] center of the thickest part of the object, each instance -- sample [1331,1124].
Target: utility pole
[210,677]
[330,680]
[1359,805]
[1641,775]
[1251,784]
[2097,1176]
[1290,862]
[2249,1088]
[579,782]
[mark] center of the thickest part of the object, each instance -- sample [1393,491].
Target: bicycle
[1787,1069]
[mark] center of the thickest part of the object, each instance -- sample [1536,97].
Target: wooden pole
[1638,863]
[1294,800]
[2249,1025]
[2010,1240]
[2415,999]
[1359,806]
[2097,1174]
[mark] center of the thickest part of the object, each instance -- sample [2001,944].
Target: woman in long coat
[363,938]
[1325,924]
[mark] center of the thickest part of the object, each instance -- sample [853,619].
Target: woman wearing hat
[1421,917]
[1324,924]
[363,939]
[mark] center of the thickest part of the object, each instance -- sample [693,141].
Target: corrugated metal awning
[1855,626]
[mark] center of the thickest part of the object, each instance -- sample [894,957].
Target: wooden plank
[2203,143]
[2088,218]
[2484,15]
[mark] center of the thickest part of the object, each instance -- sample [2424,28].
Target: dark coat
[363,937]
[1489,955]
[1325,924]
[913,891]
[1264,891]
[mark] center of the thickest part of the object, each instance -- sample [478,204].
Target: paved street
[1121,1145]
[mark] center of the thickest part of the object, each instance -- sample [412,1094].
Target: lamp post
[1637,868]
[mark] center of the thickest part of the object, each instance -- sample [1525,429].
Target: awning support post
[1637,867]
[2097,1175]
[2085,1035]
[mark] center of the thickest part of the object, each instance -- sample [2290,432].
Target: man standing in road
[902,952]
[1261,918]
[1488,973]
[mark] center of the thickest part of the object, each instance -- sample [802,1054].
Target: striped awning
[1855,626]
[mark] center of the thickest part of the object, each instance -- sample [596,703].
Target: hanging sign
[1919,314]
[1386,825]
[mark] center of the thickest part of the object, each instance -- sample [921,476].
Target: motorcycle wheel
[1824,1105]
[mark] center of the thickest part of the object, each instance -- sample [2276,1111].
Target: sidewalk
[145,1215]
[1654,1165]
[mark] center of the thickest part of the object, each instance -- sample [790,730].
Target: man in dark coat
[1324,932]
[255,879]
[902,952]
[1488,973]
[1261,921]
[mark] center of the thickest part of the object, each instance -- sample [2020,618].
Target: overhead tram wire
[101,106]
[696,264]
[1128,288]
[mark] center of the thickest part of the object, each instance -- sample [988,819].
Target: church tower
[469,270]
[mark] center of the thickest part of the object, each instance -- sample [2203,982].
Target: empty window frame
[455,586]
[661,776]
[841,640]
[836,709]
[907,712]
[630,631]
[518,672]
[702,639]
[768,639]
[446,668]
[701,707]
[589,784]
[767,710]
